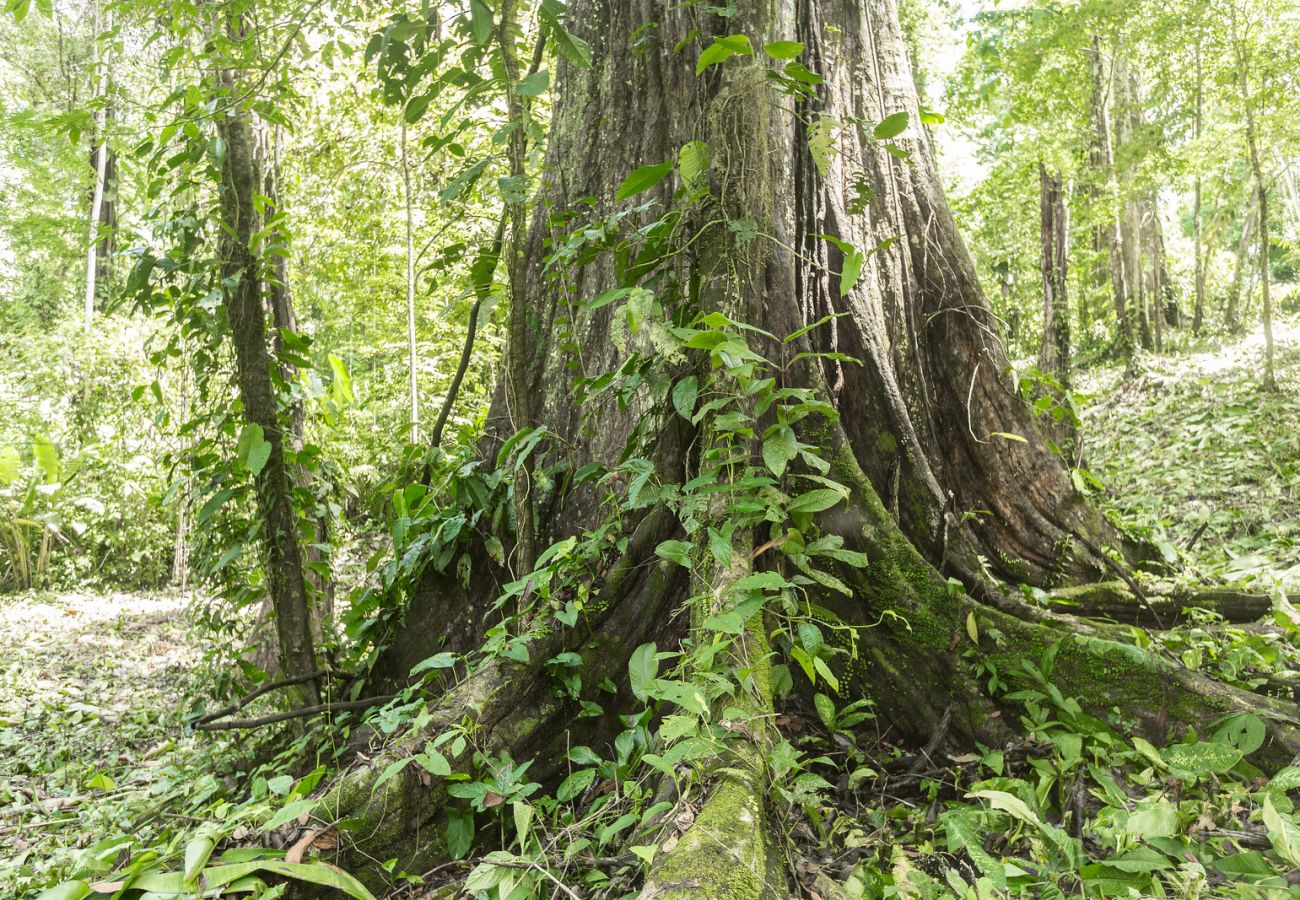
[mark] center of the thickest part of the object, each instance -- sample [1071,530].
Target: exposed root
[922,646]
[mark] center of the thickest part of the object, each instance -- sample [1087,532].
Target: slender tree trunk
[1153,240]
[1269,380]
[99,145]
[181,541]
[520,350]
[411,354]
[1198,315]
[245,310]
[1054,358]
[1232,306]
[275,267]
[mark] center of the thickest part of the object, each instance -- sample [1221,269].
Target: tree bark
[919,436]
[245,310]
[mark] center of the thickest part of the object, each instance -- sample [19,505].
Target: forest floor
[92,687]
[95,764]
[1192,439]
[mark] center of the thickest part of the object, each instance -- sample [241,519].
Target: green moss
[726,853]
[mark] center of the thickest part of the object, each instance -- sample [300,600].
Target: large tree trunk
[920,436]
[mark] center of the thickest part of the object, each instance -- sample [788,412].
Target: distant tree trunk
[1269,380]
[1198,315]
[241,182]
[1054,358]
[1153,240]
[1232,306]
[100,154]
[937,489]
[1130,224]
[1106,235]
[411,354]
[181,540]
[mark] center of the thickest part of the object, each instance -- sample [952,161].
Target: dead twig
[293,714]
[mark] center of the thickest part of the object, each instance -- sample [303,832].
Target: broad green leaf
[760,581]
[433,762]
[480,22]
[460,832]
[514,188]
[1202,757]
[197,852]
[391,771]
[642,670]
[1287,779]
[816,500]
[783,49]
[442,660]
[47,458]
[1282,832]
[685,392]
[341,387]
[318,873]
[891,127]
[9,464]
[575,784]
[824,670]
[1245,731]
[571,48]
[676,551]
[825,707]
[779,448]
[693,161]
[642,180]
[535,84]
[288,813]
[1159,819]
[851,273]
[963,835]
[69,890]
[723,49]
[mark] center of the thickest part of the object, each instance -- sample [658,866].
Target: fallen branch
[1115,600]
[293,714]
[1122,573]
[1197,535]
[250,697]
